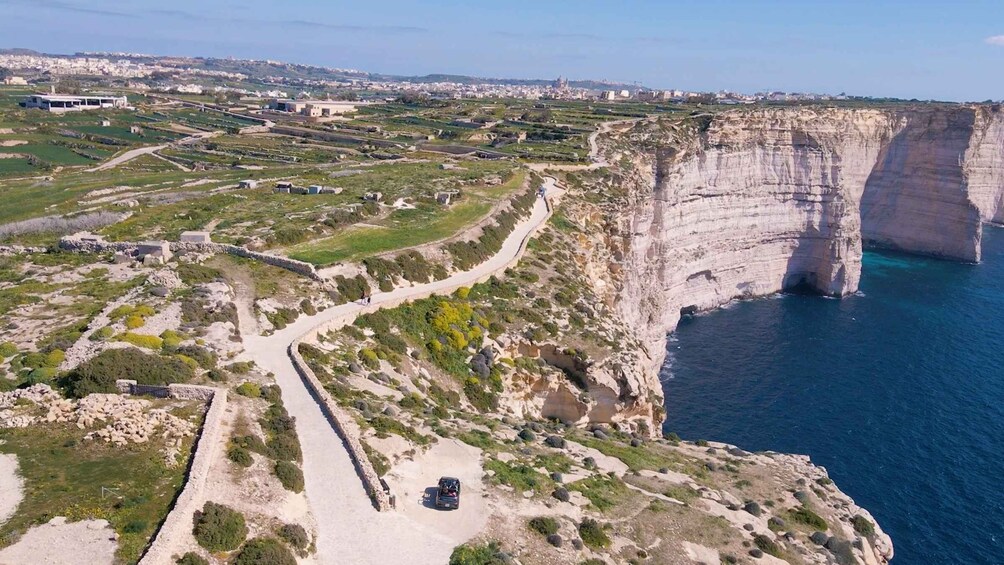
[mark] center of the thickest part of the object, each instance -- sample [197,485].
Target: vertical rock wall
[916,198]
[751,202]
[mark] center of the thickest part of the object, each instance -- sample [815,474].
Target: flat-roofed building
[72,103]
[314,108]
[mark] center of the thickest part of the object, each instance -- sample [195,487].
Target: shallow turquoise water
[898,392]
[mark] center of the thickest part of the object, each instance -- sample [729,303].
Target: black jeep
[448,493]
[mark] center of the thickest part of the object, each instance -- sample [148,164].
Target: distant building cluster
[291,95]
[100,66]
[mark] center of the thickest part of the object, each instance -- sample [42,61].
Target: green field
[54,154]
[411,228]
[12,167]
[64,475]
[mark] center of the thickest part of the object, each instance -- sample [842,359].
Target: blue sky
[912,49]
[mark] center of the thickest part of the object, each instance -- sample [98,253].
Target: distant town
[278,80]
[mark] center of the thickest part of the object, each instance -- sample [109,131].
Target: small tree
[220,528]
[264,551]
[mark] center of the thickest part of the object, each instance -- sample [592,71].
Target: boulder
[556,442]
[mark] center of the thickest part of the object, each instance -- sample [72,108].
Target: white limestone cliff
[752,202]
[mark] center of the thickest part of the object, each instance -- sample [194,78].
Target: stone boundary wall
[336,416]
[71,243]
[335,413]
[21,250]
[179,518]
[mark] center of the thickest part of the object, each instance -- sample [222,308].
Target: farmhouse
[67,103]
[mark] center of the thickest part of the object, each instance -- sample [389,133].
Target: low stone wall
[20,250]
[336,415]
[71,243]
[179,519]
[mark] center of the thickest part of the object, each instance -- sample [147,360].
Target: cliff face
[749,203]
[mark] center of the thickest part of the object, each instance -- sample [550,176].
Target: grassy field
[411,227]
[64,476]
[50,153]
[15,167]
[406,228]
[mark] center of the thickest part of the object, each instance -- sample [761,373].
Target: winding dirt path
[350,529]
[133,153]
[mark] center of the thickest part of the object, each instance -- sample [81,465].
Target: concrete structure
[195,237]
[70,103]
[446,196]
[247,184]
[135,130]
[314,108]
[154,252]
[15,81]
[106,123]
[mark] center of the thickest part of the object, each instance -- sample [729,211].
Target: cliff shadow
[916,199]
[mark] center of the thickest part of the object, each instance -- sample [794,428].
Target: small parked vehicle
[448,493]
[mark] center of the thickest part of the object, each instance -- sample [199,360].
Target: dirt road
[133,153]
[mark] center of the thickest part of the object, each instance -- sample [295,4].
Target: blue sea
[898,391]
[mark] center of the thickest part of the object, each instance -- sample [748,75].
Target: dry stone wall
[87,245]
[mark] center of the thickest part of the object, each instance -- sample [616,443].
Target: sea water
[898,391]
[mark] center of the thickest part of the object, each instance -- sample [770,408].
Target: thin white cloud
[995,40]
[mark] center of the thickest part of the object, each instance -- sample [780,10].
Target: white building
[70,103]
[15,81]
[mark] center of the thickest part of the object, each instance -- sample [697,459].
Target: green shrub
[484,554]
[863,525]
[102,334]
[369,358]
[308,307]
[543,525]
[592,534]
[251,443]
[220,528]
[240,455]
[144,310]
[141,340]
[134,321]
[99,373]
[271,393]
[519,476]
[172,340]
[249,389]
[289,475]
[192,558]
[122,311]
[284,447]
[204,357]
[767,545]
[7,349]
[264,551]
[803,515]
[193,273]
[240,367]
[295,535]
[352,289]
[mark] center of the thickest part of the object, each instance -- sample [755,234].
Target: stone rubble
[126,420]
